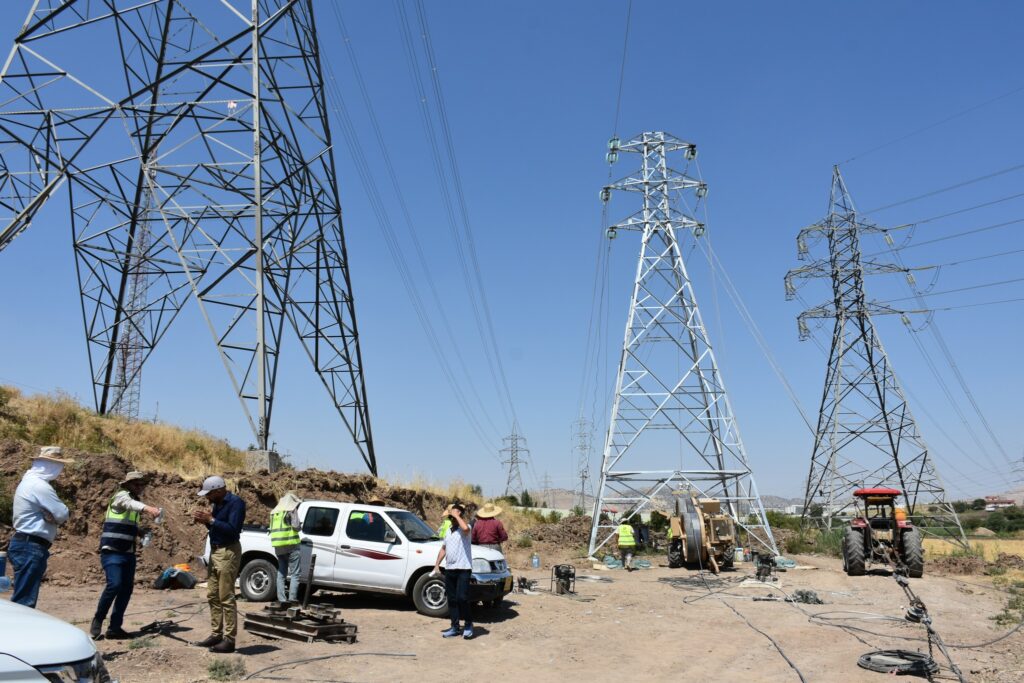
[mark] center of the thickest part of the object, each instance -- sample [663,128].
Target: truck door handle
[345,547]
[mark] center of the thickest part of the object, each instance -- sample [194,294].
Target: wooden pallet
[304,625]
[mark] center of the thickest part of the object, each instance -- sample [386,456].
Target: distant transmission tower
[193,141]
[866,434]
[669,395]
[546,494]
[514,454]
[582,449]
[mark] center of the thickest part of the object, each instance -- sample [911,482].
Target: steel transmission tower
[866,434]
[513,455]
[669,395]
[193,142]
[582,449]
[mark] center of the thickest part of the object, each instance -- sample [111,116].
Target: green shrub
[553,517]
[577,511]
[226,669]
[524,541]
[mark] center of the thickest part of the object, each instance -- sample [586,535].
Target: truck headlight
[481,566]
[90,670]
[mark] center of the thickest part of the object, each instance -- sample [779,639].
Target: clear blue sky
[773,94]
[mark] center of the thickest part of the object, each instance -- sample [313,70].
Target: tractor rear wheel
[675,553]
[913,553]
[853,552]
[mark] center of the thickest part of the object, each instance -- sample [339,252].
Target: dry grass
[456,489]
[989,548]
[59,419]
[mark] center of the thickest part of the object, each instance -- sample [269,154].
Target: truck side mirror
[390,537]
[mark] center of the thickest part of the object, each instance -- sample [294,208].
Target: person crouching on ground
[117,553]
[457,553]
[627,544]
[488,531]
[36,515]
[225,525]
[284,537]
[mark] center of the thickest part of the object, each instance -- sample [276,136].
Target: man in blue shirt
[225,525]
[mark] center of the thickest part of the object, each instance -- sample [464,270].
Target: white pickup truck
[371,549]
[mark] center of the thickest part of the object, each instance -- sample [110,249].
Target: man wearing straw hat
[284,537]
[117,553]
[488,531]
[37,514]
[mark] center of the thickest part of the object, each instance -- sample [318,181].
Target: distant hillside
[59,420]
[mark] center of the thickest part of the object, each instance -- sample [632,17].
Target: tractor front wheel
[853,552]
[913,553]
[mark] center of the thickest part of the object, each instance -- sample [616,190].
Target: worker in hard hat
[284,537]
[627,544]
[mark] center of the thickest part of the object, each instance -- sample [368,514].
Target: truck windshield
[414,528]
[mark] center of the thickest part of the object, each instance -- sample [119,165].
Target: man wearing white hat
[37,514]
[225,525]
[284,537]
[117,553]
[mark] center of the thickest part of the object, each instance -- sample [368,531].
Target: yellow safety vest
[626,535]
[281,532]
[119,529]
[446,526]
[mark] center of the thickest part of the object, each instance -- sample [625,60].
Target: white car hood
[36,638]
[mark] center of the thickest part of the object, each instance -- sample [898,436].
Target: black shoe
[118,634]
[96,627]
[209,641]
[224,647]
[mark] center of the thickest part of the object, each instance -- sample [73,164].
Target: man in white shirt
[457,553]
[37,514]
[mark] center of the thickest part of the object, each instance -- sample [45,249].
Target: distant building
[794,509]
[996,503]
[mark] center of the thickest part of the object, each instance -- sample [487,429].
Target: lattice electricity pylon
[193,140]
[866,435]
[669,394]
[582,449]
[514,454]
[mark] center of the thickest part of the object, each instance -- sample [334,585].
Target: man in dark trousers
[117,553]
[457,553]
[225,525]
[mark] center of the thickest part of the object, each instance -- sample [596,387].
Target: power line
[949,188]
[930,126]
[622,69]
[451,339]
[478,296]
[919,295]
[964,233]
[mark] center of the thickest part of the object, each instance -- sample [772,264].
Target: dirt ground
[654,618]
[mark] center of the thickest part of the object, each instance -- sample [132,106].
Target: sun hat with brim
[288,502]
[134,476]
[376,501]
[52,454]
[212,484]
[488,510]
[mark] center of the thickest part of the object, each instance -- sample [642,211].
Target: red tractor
[882,535]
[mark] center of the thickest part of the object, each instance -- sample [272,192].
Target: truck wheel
[429,596]
[258,581]
[728,558]
[675,554]
[853,552]
[913,553]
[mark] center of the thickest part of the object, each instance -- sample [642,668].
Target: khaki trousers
[220,591]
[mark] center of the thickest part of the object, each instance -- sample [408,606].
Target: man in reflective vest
[117,553]
[284,536]
[627,544]
[446,524]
